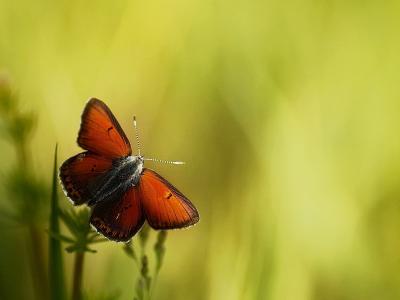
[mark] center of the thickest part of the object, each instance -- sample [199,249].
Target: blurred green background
[285,112]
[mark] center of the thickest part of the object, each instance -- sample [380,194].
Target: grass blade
[56,267]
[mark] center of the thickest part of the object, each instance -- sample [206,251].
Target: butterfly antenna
[166,161]
[137,135]
[153,159]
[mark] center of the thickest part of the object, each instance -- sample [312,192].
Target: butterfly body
[125,173]
[122,194]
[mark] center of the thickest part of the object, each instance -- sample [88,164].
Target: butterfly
[122,193]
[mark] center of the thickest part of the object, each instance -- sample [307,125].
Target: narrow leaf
[60,237]
[98,240]
[71,248]
[56,266]
[69,220]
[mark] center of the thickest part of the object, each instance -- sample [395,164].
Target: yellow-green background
[287,114]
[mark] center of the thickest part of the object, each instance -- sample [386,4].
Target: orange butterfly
[123,193]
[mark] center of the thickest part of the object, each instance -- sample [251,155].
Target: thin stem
[22,155]
[153,285]
[137,263]
[77,280]
[39,275]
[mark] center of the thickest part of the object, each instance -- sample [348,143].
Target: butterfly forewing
[120,216]
[80,172]
[164,205]
[101,133]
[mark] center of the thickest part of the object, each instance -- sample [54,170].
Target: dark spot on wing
[126,207]
[169,196]
[110,128]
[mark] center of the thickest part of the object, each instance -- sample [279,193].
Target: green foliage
[130,251]
[28,195]
[145,284]
[8,101]
[58,290]
[159,248]
[26,192]
[83,235]
[90,295]
[144,236]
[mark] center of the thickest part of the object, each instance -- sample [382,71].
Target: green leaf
[22,126]
[7,100]
[140,289]
[69,220]
[90,295]
[159,248]
[58,289]
[71,249]
[8,218]
[144,235]
[90,250]
[60,237]
[98,240]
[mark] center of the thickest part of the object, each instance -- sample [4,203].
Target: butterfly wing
[164,205]
[101,133]
[120,216]
[80,172]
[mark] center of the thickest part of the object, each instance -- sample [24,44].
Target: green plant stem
[37,257]
[39,275]
[77,280]
[153,285]
[22,155]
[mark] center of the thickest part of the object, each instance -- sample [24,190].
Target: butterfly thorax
[134,167]
[124,173]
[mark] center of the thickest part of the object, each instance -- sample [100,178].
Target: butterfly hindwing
[120,216]
[164,205]
[80,172]
[101,133]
